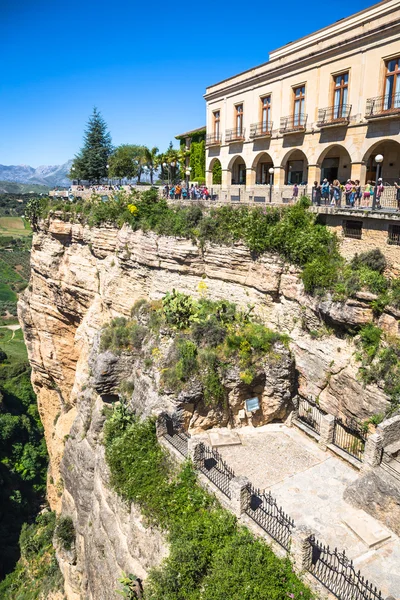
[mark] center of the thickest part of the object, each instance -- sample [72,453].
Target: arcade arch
[261,164]
[237,168]
[335,163]
[295,164]
[390,171]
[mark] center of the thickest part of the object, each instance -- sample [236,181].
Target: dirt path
[12,328]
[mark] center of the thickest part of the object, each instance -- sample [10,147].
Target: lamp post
[378,160]
[271,172]
[188,169]
[108,181]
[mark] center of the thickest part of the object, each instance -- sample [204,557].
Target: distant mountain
[10,187]
[49,176]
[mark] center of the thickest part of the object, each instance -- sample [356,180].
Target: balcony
[235,135]
[213,139]
[334,116]
[383,107]
[293,124]
[260,130]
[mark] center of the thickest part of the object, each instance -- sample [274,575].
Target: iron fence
[310,413]
[215,468]
[383,106]
[293,123]
[394,235]
[352,229]
[349,437]
[334,115]
[213,139]
[237,134]
[265,511]
[259,130]
[177,437]
[391,464]
[336,572]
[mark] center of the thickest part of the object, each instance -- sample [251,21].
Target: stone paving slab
[309,484]
[227,437]
[368,529]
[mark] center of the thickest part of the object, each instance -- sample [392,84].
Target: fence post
[301,548]
[372,452]
[295,412]
[327,429]
[239,488]
[196,452]
[161,425]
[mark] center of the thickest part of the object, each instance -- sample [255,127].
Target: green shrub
[179,309]
[373,259]
[370,338]
[65,532]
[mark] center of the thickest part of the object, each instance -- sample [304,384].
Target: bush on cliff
[210,555]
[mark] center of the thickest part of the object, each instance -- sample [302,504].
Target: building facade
[322,106]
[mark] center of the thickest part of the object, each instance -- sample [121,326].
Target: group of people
[352,192]
[182,192]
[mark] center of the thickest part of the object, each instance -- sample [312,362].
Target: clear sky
[145,65]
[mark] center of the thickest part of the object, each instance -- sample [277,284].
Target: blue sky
[144,65]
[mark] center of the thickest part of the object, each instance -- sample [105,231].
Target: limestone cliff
[81,278]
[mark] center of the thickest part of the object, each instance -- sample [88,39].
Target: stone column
[358,171]
[240,495]
[250,177]
[326,433]
[225,178]
[196,452]
[279,178]
[161,425]
[372,452]
[209,179]
[301,549]
[314,174]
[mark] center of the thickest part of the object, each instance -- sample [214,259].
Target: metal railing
[293,123]
[394,235]
[334,115]
[391,464]
[382,106]
[336,572]
[310,413]
[237,134]
[349,437]
[260,130]
[179,440]
[213,139]
[215,468]
[265,511]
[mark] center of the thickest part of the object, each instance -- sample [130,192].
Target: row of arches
[334,162]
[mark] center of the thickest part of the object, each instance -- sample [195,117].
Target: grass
[6,293]
[15,227]
[13,345]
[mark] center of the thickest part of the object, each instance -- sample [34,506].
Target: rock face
[81,278]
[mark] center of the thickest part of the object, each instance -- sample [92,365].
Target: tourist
[358,192]
[379,191]
[172,192]
[316,193]
[295,192]
[325,191]
[347,191]
[184,193]
[166,191]
[352,197]
[368,191]
[397,186]
[337,192]
[178,191]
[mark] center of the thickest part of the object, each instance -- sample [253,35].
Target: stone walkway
[309,484]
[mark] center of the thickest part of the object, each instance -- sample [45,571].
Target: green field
[14,227]
[12,342]
[6,293]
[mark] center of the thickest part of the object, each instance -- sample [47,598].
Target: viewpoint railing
[310,413]
[348,436]
[336,572]
[331,568]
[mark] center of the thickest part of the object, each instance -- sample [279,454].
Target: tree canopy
[91,162]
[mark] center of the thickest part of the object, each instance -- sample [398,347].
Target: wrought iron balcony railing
[260,130]
[293,124]
[383,106]
[334,115]
[237,134]
[213,139]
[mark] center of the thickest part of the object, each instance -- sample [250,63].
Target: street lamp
[378,160]
[187,180]
[271,172]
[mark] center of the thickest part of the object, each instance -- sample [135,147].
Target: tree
[152,159]
[124,162]
[91,162]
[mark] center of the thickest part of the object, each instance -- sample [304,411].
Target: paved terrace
[309,484]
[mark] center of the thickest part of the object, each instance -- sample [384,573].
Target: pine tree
[91,162]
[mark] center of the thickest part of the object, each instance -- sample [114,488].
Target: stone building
[322,106]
